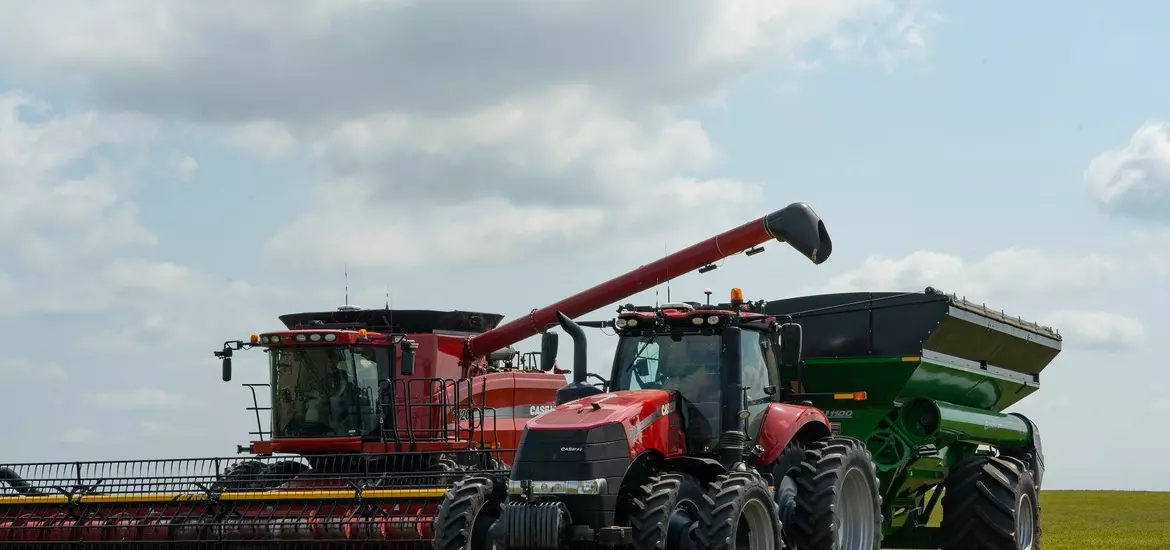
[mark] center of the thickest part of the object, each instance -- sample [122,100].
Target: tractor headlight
[585,487]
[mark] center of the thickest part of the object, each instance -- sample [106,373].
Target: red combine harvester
[374,414]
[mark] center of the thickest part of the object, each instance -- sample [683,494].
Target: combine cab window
[323,391]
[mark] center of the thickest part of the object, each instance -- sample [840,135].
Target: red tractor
[693,442]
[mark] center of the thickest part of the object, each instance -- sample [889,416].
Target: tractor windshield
[323,391]
[689,365]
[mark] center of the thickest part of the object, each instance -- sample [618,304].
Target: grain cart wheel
[664,511]
[990,503]
[738,513]
[467,512]
[838,506]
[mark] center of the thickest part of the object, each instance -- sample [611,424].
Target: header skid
[796,224]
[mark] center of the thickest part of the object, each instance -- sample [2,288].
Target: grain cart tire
[738,512]
[467,513]
[664,511]
[991,503]
[838,503]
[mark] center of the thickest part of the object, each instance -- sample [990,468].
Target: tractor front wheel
[738,512]
[664,511]
[991,503]
[838,505]
[466,515]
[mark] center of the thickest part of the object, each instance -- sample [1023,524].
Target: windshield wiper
[638,354]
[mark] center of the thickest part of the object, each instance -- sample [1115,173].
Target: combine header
[374,414]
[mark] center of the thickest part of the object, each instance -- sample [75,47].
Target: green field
[1103,520]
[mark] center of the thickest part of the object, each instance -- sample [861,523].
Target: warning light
[362,333]
[255,338]
[736,294]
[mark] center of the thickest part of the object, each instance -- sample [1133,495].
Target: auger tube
[796,224]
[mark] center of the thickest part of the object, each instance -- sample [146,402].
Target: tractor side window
[755,369]
[645,366]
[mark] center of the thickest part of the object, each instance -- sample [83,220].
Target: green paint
[964,400]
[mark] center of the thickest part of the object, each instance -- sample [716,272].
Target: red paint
[628,408]
[669,267]
[781,421]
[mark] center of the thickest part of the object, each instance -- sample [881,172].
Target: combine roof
[408,321]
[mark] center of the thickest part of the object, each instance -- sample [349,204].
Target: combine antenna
[345,273]
[387,296]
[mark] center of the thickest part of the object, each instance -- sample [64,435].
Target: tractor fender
[782,422]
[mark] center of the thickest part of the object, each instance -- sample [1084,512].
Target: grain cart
[374,412]
[938,372]
[680,448]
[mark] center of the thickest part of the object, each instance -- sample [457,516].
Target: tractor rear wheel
[466,515]
[664,511]
[738,512]
[838,504]
[991,503]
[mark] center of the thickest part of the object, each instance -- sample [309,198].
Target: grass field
[1103,520]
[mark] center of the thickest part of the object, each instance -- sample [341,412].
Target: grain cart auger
[374,414]
[939,371]
[687,445]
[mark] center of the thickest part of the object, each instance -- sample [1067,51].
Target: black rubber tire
[467,512]
[981,502]
[653,504]
[277,474]
[240,476]
[723,505]
[785,470]
[818,513]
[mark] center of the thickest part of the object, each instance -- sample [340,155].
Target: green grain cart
[938,371]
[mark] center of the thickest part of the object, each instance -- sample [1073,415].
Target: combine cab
[374,414]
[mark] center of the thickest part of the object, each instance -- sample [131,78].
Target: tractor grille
[556,455]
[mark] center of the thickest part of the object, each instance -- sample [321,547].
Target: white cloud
[1096,329]
[140,399]
[1009,272]
[1134,180]
[78,436]
[297,59]
[27,368]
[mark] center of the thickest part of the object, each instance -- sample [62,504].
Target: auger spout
[796,224]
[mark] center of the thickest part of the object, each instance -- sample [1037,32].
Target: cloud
[307,59]
[141,399]
[1011,272]
[27,368]
[1134,180]
[1096,329]
[78,436]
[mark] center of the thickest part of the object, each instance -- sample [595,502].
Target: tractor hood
[624,407]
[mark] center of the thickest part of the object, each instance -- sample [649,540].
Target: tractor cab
[701,352]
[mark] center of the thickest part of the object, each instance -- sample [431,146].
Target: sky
[177,174]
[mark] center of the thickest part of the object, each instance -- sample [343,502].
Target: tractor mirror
[548,350]
[642,368]
[226,354]
[791,342]
[407,358]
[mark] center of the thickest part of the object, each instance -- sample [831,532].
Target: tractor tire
[239,476]
[664,511]
[991,503]
[279,473]
[838,503]
[738,510]
[467,513]
[785,470]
